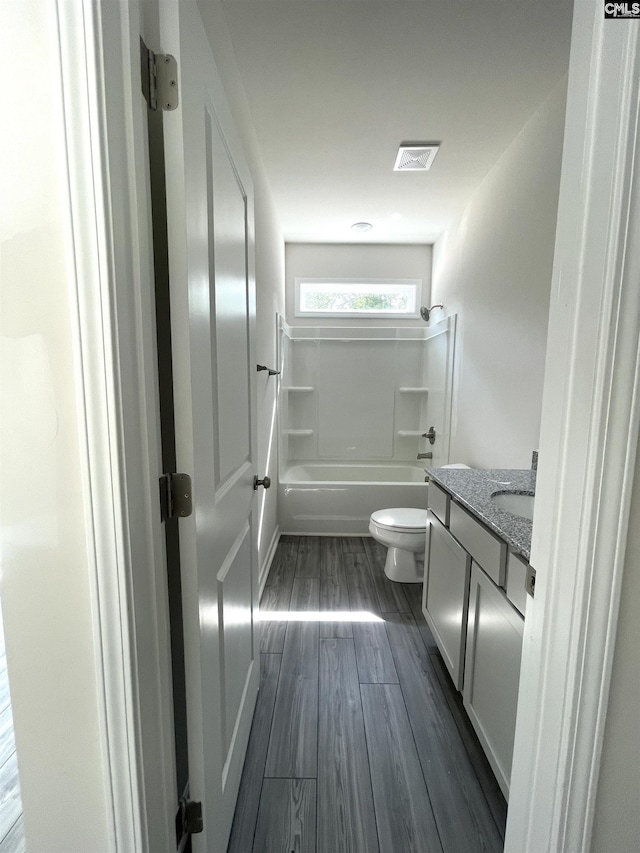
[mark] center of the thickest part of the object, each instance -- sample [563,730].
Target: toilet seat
[401,519]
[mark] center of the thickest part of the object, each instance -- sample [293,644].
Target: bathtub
[331,499]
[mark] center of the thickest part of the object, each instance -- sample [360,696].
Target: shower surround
[354,405]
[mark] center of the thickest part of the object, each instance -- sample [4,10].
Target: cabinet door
[445,596]
[492,672]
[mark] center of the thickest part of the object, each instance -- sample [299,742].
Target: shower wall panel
[356,384]
[364,394]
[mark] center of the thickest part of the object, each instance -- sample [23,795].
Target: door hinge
[175,496]
[530,581]
[189,821]
[159,72]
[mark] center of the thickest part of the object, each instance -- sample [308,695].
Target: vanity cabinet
[492,671]
[516,579]
[473,600]
[487,549]
[445,595]
[439,503]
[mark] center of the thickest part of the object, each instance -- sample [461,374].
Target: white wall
[493,268]
[54,665]
[356,260]
[616,826]
[269,267]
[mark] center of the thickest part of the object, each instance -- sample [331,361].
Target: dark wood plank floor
[11,823]
[360,743]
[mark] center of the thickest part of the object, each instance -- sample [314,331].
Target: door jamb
[589,439]
[112,294]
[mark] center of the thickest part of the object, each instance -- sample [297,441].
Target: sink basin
[521,505]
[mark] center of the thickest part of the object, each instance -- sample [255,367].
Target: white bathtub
[337,499]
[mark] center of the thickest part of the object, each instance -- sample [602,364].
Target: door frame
[112,291]
[588,442]
[588,446]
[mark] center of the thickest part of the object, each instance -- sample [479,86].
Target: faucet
[428,455]
[431,435]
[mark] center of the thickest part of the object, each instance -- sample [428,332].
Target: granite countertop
[473,487]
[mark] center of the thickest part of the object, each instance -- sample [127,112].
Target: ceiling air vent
[415,158]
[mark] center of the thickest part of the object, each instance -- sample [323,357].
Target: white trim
[88,212]
[588,444]
[268,560]
[115,353]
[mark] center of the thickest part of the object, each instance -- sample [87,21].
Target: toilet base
[403,567]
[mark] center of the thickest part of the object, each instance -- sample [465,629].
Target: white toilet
[403,530]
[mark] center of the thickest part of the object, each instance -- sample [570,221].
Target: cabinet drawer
[516,574]
[489,552]
[445,596]
[438,502]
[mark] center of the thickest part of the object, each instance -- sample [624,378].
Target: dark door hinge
[188,820]
[192,817]
[530,581]
[159,72]
[175,496]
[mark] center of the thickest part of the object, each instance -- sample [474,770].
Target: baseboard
[264,568]
[330,533]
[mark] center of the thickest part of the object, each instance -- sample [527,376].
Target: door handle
[266,482]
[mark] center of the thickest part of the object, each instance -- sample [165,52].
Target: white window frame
[415,283]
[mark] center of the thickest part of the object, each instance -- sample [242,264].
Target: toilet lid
[401,518]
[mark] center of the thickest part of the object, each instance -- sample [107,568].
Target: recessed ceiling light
[361,226]
[416,157]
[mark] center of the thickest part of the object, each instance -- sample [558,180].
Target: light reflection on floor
[317,616]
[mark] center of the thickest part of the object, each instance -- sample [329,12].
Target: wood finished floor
[359,743]
[11,822]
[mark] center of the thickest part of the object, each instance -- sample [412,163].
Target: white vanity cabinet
[516,580]
[445,595]
[487,549]
[492,671]
[474,600]
[438,502]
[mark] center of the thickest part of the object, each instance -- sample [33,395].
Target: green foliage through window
[351,297]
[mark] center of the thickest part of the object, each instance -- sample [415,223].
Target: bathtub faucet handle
[431,435]
[428,455]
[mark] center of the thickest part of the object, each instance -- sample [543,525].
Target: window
[354,297]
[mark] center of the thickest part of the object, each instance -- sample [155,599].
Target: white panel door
[209,206]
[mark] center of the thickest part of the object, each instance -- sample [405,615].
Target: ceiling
[334,88]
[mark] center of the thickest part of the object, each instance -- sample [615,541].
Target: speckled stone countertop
[473,487]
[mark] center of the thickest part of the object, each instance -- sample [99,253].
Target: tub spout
[428,455]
